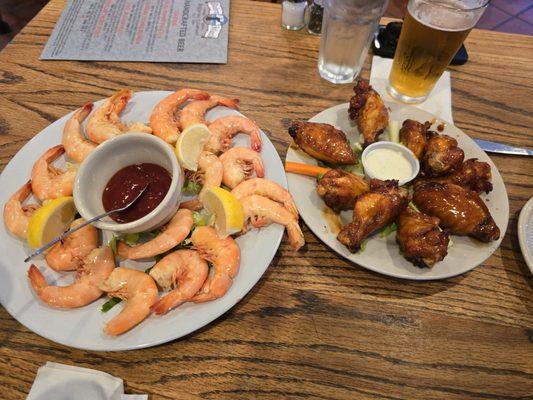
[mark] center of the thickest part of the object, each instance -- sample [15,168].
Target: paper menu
[194,31]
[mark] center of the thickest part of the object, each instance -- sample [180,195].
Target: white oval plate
[525,233]
[382,254]
[83,328]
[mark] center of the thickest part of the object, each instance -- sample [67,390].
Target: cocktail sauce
[128,182]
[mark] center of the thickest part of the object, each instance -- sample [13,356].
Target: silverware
[69,231]
[493,147]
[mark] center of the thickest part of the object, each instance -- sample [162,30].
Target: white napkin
[439,101]
[66,382]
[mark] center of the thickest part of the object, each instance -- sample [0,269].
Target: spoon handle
[68,232]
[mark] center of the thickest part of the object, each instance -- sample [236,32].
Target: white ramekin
[113,155]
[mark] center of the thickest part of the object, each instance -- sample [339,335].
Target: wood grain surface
[315,326]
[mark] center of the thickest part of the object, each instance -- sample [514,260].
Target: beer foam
[444,15]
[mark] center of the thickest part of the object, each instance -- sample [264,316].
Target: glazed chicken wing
[413,135]
[339,189]
[368,111]
[373,210]
[442,156]
[472,174]
[420,239]
[323,142]
[461,211]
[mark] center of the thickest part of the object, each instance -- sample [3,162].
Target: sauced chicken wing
[420,239]
[413,135]
[323,142]
[461,211]
[442,156]
[472,174]
[368,111]
[339,189]
[373,210]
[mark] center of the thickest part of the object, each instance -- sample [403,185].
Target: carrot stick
[305,169]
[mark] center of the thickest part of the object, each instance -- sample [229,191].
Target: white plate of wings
[83,327]
[382,254]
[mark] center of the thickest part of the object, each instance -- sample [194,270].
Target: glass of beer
[432,32]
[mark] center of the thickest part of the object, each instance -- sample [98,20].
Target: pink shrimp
[139,291]
[224,255]
[163,118]
[194,112]
[209,174]
[225,128]
[68,255]
[95,268]
[48,182]
[172,234]
[76,146]
[262,211]
[267,188]
[239,164]
[182,273]
[16,215]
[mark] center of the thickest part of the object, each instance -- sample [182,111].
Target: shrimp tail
[37,280]
[259,168]
[193,205]
[167,303]
[296,236]
[231,103]
[84,111]
[255,140]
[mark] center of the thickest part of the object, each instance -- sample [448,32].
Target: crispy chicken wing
[461,211]
[339,189]
[472,174]
[413,135]
[373,210]
[442,155]
[368,111]
[420,239]
[323,142]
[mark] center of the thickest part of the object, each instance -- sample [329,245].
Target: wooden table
[315,326]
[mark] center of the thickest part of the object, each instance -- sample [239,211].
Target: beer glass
[432,32]
[348,27]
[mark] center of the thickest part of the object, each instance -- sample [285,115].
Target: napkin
[66,382]
[439,101]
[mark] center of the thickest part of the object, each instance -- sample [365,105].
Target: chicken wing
[420,239]
[373,210]
[413,135]
[368,111]
[339,189]
[442,156]
[472,174]
[461,211]
[323,142]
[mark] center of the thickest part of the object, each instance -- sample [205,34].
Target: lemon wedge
[229,216]
[190,144]
[50,220]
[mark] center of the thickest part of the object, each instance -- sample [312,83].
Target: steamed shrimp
[266,188]
[223,254]
[76,146]
[16,215]
[262,211]
[209,174]
[105,122]
[95,268]
[239,163]
[163,118]
[181,273]
[194,112]
[172,234]
[48,182]
[68,254]
[139,291]
[225,128]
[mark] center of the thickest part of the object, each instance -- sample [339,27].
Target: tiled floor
[515,16]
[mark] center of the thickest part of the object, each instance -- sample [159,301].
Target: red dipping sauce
[128,182]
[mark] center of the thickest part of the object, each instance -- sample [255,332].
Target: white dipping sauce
[388,164]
